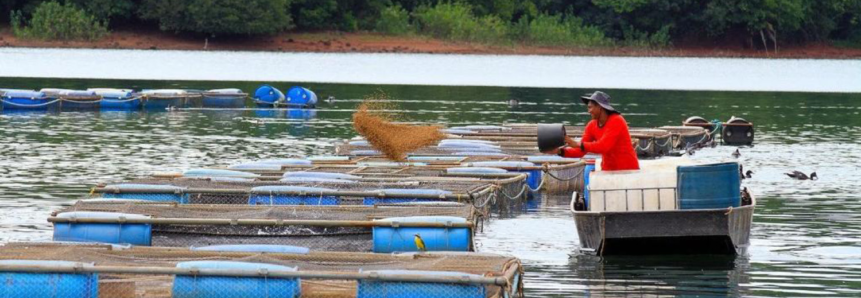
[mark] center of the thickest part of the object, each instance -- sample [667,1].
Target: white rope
[29,106]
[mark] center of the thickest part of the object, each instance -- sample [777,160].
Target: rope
[647,146]
[560,179]
[29,106]
[540,185]
[522,192]
[665,143]
[126,100]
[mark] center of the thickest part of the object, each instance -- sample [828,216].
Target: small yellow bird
[420,244]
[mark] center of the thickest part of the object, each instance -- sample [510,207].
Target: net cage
[383,229]
[651,143]
[99,270]
[687,136]
[483,193]
[548,173]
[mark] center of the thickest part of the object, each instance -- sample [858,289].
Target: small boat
[694,209]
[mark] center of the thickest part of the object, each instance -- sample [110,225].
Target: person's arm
[575,148]
[609,139]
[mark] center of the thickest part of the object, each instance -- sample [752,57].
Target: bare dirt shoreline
[363,42]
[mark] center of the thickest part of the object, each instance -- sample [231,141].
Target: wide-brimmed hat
[601,99]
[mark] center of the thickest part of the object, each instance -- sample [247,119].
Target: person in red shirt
[606,134]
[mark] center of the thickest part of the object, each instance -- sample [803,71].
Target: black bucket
[550,136]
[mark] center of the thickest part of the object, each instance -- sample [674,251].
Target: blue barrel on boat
[117,99]
[194,286]
[587,170]
[269,248]
[49,284]
[117,233]
[391,239]
[402,195]
[178,194]
[533,178]
[709,186]
[373,288]
[268,96]
[269,195]
[301,97]
[15,99]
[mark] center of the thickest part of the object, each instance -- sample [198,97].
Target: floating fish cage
[502,194]
[550,173]
[651,143]
[99,270]
[160,99]
[442,226]
[223,98]
[687,136]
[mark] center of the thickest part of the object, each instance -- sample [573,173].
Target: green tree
[55,21]
[229,17]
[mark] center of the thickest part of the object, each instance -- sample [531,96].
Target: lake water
[806,237]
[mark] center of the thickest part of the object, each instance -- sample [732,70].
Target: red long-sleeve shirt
[612,141]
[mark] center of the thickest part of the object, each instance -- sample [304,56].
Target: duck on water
[798,175]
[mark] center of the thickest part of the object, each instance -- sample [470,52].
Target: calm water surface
[806,238]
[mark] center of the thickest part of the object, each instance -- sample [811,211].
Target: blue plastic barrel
[375,288]
[467,141]
[365,153]
[268,96]
[359,143]
[191,286]
[393,164]
[434,158]
[709,186]
[477,149]
[401,195]
[218,173]
[389,239]
[475,170]
[486,127]
[456,131]
[14,99]
[473,153]
[256,166]
[178,194]
[325,175]
[301,97]
[328,158]
[48,284]
[268,195]
[117,99]
[587,171]
[467,145]
[533,175]
[286,161]
[118,233]
[270,248]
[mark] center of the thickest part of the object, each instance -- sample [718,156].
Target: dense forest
[578,23]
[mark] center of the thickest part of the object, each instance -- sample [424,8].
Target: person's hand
[571,142]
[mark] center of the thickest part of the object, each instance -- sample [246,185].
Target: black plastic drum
[550,136]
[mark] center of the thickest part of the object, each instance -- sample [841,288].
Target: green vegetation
[762,24]
[55,21]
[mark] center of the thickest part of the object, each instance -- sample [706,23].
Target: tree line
[649,23]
